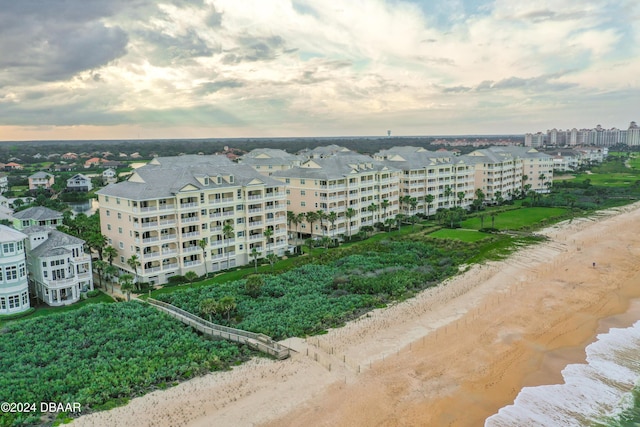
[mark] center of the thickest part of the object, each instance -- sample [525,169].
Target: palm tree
[404,201]
[99,266]
[332,218]
[413,203]
[497,196]
[480,196]
[321,216]
[384,205]
[372,208]
[111,253]
[227,232]
[97,242]
[126,284]
[226,305]
[134,263]
[312,217]
[460,195]
[399,218]
[255,254]
[428,200]
[389,222]
[493,214]
[350,213]
[542,178]
[109,273]
[267,235]
[203,245]
[191,276]
[209,307]
[447,193]
[291,219]
[299,220]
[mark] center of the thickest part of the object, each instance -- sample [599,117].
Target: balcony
[149,209]
[256,237]
[150,255]
[169,237]
[188,205]
[255,224]
[166,207]
[168,222]
[192,263]
[255,210]
[150,240]
[150,224]
[151,270]
[190,219]
[172,266]
[254,197]
[190,234]
[191,249]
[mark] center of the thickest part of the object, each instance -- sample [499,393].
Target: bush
[93,293]
[176,280]
[17,315]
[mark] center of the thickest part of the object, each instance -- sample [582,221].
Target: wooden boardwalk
[258,342]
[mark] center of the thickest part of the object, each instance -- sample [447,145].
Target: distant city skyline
[139,69]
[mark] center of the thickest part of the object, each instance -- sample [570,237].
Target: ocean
[603,392]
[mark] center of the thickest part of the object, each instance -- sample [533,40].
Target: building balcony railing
[256,237]
[168,222]
[149,209]
[169,237]
[149,224]
[188,205]
[171,266]
[255,224]
[190,234]
[223,200]
[150,255]
[192,263]
[191,249]
[169,252]
[190,219]
[255,210]
[152,270]
[275,195]
[254,197]
[150,240]
[61,283]
[166,207]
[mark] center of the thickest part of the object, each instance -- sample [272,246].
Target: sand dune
[451,356]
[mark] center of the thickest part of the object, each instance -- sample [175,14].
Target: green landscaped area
[515,219]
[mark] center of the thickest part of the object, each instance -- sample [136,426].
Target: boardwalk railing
[258,342]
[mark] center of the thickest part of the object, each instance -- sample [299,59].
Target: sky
[118,69]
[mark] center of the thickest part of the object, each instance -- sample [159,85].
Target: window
[8,248]
[23,270]
[19,246]
[303,204]
[119,215]
[14,301]
[240,221]
[288,202]
[121,245]
[106,198]
[303,193]
[109,227]
[25,298]
[240,234]
[11,272]
[240,247]
[108,213]
[287,181]
[117,200]
[288,191]
[120,230]
[302,181]
[121,259]
[3,303]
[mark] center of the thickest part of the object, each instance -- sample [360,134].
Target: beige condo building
[344,182]
[440,174]
[170,207]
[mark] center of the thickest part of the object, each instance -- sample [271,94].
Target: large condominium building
[441,174]
[360,190]
[170,207]
[270,160]
[503,172]
[597,136]
[59,269]
[14,285]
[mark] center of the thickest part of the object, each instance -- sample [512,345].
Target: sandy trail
[451,356]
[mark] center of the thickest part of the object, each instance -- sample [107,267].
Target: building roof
[57,242]
[38,213]
[41,175]
[8,234]
[269,156]
[167,176]
[407,157]
[340,165]
[79,176]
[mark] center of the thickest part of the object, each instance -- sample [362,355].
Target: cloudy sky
[111,69]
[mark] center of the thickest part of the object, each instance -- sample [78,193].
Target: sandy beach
[452,356]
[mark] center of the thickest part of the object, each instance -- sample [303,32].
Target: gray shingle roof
[56,243]
[38,213]
[8,234]
[166,176]
[342,164]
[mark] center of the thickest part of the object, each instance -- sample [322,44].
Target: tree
[372,208]
[332,218]
[480,197]
[97,242]
[291,219]
[99,266]
[399,218]
[228,233]
[389,222]
[109,273]
[191,276]
[321,216]
[482,216]
[126,284]
[493,214]
[350,213]
[447,193]
[209,307]
[413,219]
[273,258]
[110,253]
[267,235]
[203,245]
[299,220]
[497,196]
[460,195]
[134,263]
[384,205]
[255,254]
[312,217]
[325,241]
[226,305]
[253,285]
[428,200]
[542,177]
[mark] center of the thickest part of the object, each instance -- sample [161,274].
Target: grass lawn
[609,179]
[459,234]
[516,219]
[45,310]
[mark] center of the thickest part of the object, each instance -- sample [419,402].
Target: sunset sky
[112,69]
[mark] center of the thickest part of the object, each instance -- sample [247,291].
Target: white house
[59,269]
[79,182]
[109,176]
[14,286]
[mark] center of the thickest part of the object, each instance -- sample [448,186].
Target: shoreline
[452,355]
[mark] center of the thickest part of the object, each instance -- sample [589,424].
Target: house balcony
[188,205]
[190,219]
[256,237]
[169,237]
[150,255]
[173,266]
[255,197]
[192,263]
[191,249]
[150,224]
[166,207]
[190,234]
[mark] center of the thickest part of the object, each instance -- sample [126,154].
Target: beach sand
[452,356]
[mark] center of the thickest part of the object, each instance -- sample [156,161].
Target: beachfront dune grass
[514,219]
[460,234]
